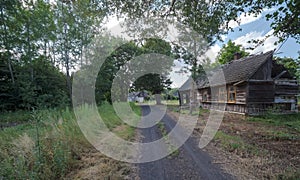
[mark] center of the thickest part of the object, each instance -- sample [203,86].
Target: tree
[77,23]
[285,20]
[111,66]
[228,51]
[209,18]
[47,89]
[292,65]
[155,83]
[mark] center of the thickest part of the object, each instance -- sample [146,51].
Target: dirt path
[190,162]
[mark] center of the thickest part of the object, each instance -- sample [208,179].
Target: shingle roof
[235,71]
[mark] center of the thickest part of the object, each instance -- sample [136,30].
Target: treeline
[41,44]
[42,41]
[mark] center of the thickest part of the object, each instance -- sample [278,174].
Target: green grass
[291,121]
[235,143]
[112,120]
[50,143]
[10,118]
[171,148]
[41,148]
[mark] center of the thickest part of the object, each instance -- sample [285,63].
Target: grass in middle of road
[171,148]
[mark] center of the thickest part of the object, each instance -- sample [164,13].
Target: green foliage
[154,45]
[152,82]
[8,119]
[46,88]
[36,37]
[285,19]
[292,65]
[227,52]
[111,66]
[205,17]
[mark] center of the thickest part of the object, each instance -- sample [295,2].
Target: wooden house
[251,85]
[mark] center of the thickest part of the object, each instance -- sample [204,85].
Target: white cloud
[112,21]
[264,47]
[243,40]
[244,18]
[268,45]
[213,52]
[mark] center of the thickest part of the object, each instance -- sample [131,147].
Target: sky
[251,27]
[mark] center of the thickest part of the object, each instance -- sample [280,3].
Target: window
[232,94]
[222,94]
[184,99]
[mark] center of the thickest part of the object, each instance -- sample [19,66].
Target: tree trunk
[158,99]
[192,98]
[7,48]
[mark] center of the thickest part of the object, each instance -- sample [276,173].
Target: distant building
[137,96]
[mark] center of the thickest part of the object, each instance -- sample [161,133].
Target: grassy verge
[291,121]
[50,144]
[115,124]
[8,119]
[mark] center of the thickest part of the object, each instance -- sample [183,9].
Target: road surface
[190,163]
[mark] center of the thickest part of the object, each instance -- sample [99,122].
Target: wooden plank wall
[238,108]
[286,89]
[261,92]
[241,93]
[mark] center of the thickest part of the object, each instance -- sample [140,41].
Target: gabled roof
[186,85]
[235,71]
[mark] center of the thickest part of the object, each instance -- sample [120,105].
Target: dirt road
[190,163]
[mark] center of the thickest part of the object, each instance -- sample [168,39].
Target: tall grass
[41,149]
[49,145]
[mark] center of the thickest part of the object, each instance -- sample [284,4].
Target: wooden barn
[251,85]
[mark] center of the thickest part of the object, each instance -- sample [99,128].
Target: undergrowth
[49,144]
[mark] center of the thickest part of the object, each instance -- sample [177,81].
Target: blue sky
[259,27]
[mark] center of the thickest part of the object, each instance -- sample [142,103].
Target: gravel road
[190,163]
